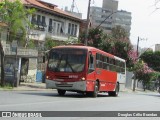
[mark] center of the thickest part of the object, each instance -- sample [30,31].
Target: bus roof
[89,48]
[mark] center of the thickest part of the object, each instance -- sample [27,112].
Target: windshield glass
[67,60]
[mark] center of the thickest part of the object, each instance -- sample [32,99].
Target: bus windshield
[67,60]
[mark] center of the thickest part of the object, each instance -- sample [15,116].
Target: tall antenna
[72,6]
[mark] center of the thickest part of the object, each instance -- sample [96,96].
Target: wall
[130,80]
[32,68]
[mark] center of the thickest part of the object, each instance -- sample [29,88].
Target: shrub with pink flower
[133,55]
[143,72]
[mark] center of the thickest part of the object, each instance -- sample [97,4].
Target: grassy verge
[6,87]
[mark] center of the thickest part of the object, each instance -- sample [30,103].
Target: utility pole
[72,6]
[137,46]
[134,82]
[87,26]
[2,64]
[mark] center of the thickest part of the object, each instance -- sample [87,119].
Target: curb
[27,87]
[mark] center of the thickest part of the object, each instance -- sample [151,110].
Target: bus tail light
[47,77]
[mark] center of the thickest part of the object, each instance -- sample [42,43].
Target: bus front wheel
[61,92]
[114,93]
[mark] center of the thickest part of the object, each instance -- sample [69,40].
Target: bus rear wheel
[61,92]
[114,93]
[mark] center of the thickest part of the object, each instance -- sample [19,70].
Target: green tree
[119,33]
[152,59]
[118,43]
[95,37]
[14,14]
[31,44]
[144,73]
[49,43]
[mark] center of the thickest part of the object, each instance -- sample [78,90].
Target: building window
[69,28]
[62,28]
[34,20]
[50,26]
[54,27]
[72,30]
[75,31]
[58,28]
[44,21]
[39,23]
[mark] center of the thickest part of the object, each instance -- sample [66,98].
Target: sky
[145,18]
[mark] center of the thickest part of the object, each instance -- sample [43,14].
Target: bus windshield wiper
[70,65]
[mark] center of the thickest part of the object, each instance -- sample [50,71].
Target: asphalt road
[49,100]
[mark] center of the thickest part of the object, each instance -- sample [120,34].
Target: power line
[72,6]
[76,7]
[87,26]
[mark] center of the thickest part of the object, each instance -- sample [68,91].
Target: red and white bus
[84,69]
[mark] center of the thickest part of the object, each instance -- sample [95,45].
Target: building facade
[98,15]
[50,21]
[157,47]
[108,16]
[123,19]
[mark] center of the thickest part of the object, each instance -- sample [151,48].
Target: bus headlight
[82,78]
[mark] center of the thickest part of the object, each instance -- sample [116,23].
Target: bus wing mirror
[91,59]
[47,55]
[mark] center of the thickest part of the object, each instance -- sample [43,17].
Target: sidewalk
[31,86]
[28,87]
[137,90]
[37,86]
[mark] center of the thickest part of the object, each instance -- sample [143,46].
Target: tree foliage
[14,14]
[116,42]
[143,73]
[95,37]
[49,43]
[31,44]
[152,59]
[119,33]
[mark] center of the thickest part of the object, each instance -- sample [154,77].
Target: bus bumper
[70,86]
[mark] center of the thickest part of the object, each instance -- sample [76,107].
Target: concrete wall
[130,80]
[32,69]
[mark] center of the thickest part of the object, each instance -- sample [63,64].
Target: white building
[157,47]
[108,16]
[50,21]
